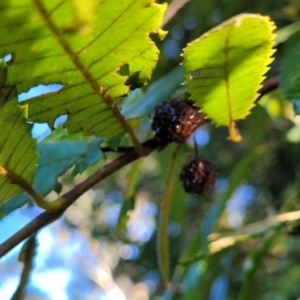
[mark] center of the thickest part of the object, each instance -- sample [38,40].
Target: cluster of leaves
[91,83]
[79,45]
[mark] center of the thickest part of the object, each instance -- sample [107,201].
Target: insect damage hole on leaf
[124,70]
[7,58]
[39,90]
[133,81]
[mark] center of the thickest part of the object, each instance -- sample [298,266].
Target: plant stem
[28,264]
[14,178]
[71,196]
[269,85]
[163,241]
[245,234]
[54,30]
[120,149]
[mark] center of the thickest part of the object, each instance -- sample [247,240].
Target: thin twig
[245,234]
[76,60]
[120,149]
[269,85]
[163,241]
[23,184]
[70,197]
[28,264]
[172,10]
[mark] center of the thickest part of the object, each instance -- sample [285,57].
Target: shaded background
[105,245]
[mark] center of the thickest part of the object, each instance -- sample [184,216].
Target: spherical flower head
[198,176]
[176,121]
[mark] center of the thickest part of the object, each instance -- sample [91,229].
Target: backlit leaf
[225,68]
[18,156]
[58,43]
[158,92]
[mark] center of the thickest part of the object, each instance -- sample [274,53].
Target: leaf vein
[24,41]
[102,121]
[122,41]
[90,106]
[111,70]
[19,144]
[106,125]
[55,106]
[8,190]
[56,7]
[12,129]
[113,22]
[38,58]
[226,73]
[84,72]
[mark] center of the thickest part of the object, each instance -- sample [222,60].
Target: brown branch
[85,73]
[71,196]
[172,10]
[269,85]
[121,149]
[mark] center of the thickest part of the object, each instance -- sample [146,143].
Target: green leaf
[58,42]
[13,204]
[159,91]
[55,159]
[225,68]
[89,156]
[289,76]
[18,157]
[286,32]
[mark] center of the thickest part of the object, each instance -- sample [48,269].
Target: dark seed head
[197,175]
[175,121]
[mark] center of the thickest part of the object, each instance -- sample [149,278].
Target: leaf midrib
[84,72]
[74,58]
[226,73]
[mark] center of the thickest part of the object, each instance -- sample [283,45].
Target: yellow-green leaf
[224,68]
[18,157]
[83,46]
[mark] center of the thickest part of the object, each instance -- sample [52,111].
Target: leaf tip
[162,33]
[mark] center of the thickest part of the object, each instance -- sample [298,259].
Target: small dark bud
[197,175]
[175,121]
